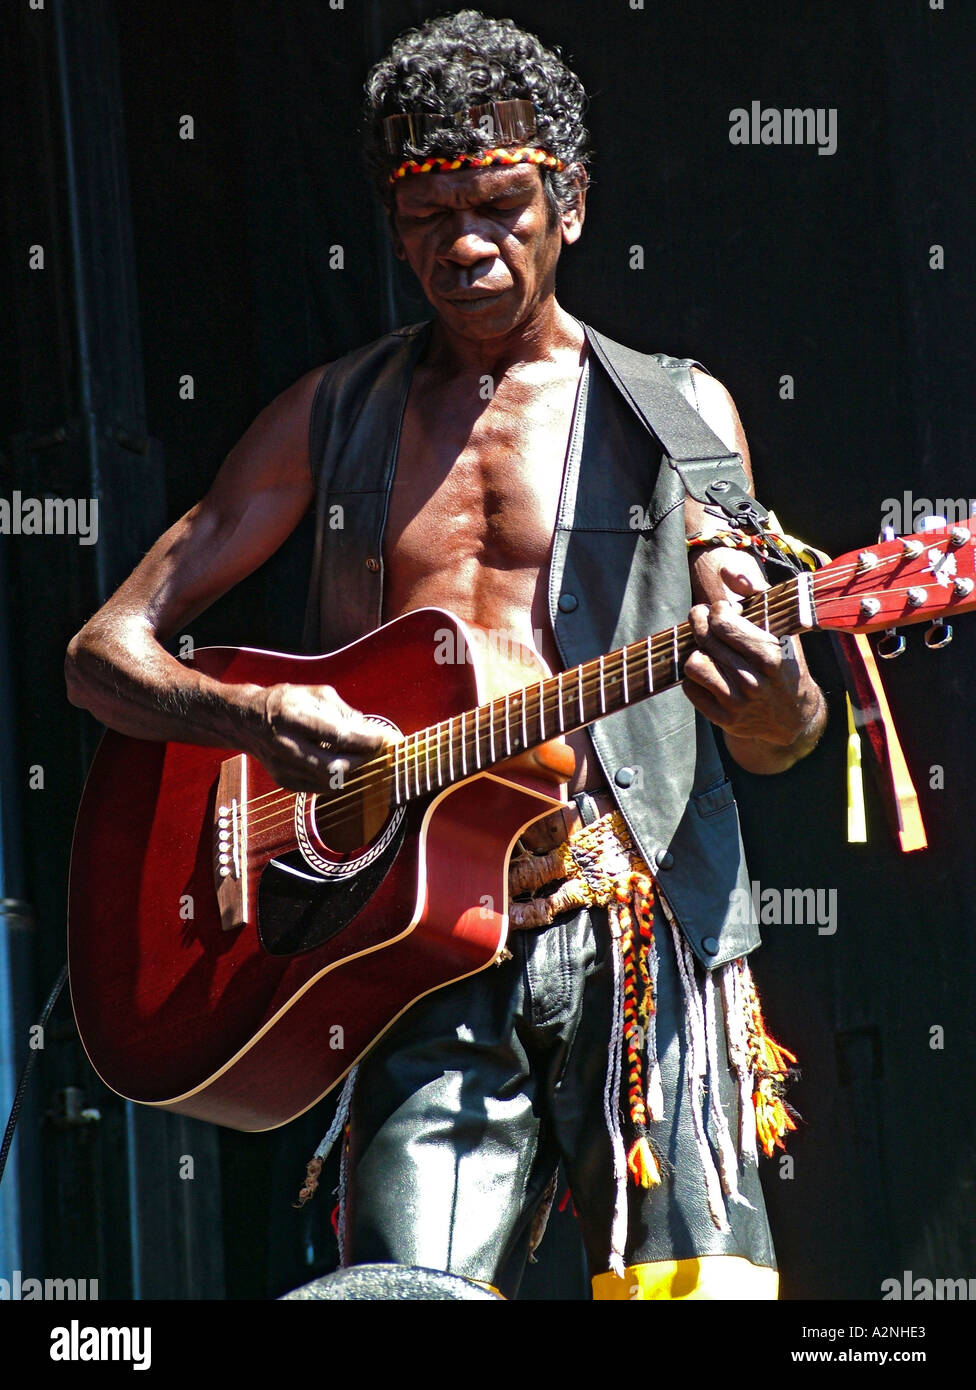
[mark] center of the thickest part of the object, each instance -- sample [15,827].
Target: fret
[542,714]
[477,741]
[525,716]
[650,668]
[450,751]
[765,600]
[674,652]
[416,764]
[579,694]
[427,760]
[396,773]
[491,732]
[440,779]
[464,748]
[624,656]
[508,737]
[559,697]
[603,694]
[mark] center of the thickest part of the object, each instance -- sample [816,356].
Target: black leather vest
[619,571]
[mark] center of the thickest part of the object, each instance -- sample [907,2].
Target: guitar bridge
[230,843]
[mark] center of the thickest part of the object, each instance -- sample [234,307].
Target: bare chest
[476,488]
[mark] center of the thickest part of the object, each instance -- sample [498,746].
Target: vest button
[567,603]
[372,565]
[624,776]
[664,859]
[710,946]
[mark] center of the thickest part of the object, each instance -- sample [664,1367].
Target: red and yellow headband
[509,124]
[499,155]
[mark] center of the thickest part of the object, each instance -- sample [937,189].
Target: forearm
[116,669]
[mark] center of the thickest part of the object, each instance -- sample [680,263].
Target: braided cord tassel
[611,1107]
[338,1126]
[737,1039]
[771,1072]
[697,1067]
[635,899]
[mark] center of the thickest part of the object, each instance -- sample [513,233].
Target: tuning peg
[892,644]
[938,635]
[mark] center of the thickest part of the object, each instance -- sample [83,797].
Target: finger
[311,768]
[734,642]
[744,585]
[706,704]
[355,734]
[319,716]
[708,675]
[742,574]
[351,730]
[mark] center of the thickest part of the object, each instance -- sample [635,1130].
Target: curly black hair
[463,60]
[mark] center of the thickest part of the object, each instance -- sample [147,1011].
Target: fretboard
[445,753]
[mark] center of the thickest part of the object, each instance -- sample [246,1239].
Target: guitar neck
[445,753]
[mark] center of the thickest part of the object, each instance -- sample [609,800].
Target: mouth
[473,296]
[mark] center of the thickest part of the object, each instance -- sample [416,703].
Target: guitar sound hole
[348,820]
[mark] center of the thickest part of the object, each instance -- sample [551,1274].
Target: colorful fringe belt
[599,866]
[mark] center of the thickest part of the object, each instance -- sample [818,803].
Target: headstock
[912,579]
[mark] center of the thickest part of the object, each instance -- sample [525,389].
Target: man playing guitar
[460,1114]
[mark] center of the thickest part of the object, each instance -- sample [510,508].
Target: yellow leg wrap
[711,1276]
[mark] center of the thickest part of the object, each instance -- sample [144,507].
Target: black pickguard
[298,914]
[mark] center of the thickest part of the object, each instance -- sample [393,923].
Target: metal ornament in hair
[510,122]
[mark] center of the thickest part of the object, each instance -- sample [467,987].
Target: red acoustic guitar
[235,948]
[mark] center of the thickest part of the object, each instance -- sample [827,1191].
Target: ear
[571,221]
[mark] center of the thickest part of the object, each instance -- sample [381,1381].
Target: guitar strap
[690,446]
[712,474]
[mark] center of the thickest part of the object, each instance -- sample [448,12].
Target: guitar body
[247,1015]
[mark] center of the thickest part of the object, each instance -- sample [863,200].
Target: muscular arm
[761,695]
[116,666]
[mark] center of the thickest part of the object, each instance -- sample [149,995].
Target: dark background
[211,257]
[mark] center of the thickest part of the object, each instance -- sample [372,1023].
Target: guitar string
[661,648]
[550,704]
[834,572]
[382,773]
[333,814]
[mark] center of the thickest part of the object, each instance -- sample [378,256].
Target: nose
[468,241]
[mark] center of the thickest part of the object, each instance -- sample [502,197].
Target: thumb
[742,575]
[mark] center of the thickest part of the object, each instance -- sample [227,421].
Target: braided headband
[501,155]
[509,125]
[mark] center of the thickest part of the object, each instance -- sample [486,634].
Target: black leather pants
[462,1112]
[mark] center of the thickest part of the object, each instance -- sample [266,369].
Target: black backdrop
[763,262]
